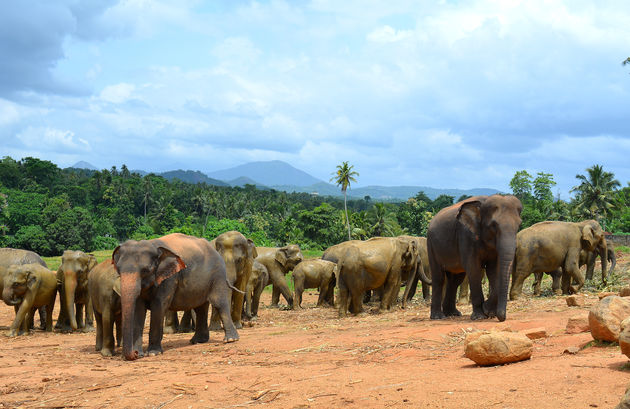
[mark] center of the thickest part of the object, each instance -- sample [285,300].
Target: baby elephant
[104,289]
[257,282]
[28,287]
[315,274]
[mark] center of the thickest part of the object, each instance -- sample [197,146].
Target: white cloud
[56,140]
[118,93]
[388,34]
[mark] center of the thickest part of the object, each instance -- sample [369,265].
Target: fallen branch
[96,388]
[161,405]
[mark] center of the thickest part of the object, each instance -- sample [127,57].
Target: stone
[625,401]
[498,347]
[575,301]
[605,317]
[605,294]
[571,350]
[624,292]
[535,333]
[578,324]
[624,337]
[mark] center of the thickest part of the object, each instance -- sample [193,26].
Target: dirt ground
[312,359]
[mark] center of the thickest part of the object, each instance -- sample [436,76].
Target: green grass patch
[55,261]
[308,254]
[623,249]
[600,344]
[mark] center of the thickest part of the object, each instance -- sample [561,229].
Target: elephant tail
[234,288]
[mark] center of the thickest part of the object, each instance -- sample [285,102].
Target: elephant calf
[318,274]
[27,287]
[258,280]
[104,289]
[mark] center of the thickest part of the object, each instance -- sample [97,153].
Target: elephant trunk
[505,252]
[423,277]
[129,293]
[9,296]
[70,286]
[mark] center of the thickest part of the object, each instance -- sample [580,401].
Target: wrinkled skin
[74,298]
[279,262]
[369,265]
[464,238]
[175,272]
[104,288]
[258,280]
[9,257]
[27,287]
[239,253]
[316,273]
[552,247]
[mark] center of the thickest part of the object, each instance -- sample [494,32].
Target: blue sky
[437,93]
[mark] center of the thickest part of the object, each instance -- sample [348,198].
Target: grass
[623,249]
[55,261]
[309,254]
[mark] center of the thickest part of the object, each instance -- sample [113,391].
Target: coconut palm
[383,220]
[596,192]
[342,177]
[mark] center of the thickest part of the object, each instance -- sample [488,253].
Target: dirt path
[312,359]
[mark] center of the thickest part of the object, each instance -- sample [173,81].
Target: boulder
[498,347]
[624,337]
[575,301]
[605,317]
[578,324]
[605,294]
[624,292]
[625,401]
[535,333]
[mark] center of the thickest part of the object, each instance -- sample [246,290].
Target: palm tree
[342,177]
[595,194]
[384,221]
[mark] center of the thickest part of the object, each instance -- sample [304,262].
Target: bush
[32,238]
[104,243]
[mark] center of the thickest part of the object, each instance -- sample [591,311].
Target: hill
[84,165]
[191,176]
[269,173]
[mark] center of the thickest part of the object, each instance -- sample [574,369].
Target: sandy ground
[312,359]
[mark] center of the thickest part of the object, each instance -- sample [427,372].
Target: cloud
[387,34]
[56,140]
[118,93]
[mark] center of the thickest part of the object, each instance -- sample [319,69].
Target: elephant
[420,271]
[368,265]
[176,272]
[239,253]
[553,245]
[279,261]
[315,273]
[258,280]
[464,238]
[588,258]
[10,256]
[72,277]
[104,289]
[29,286]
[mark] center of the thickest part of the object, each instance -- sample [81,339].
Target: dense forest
[47,209]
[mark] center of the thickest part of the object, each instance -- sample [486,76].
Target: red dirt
[312,359]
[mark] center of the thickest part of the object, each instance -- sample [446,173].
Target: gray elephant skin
[462,239]
[104,288]
[279,261]
[176,272]
[27,287]
[555,246]
[315,273]
[74,299]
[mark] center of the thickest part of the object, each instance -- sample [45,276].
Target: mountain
[268,173]
[190,176]
[244,180]
[84,165]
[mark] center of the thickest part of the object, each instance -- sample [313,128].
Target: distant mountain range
[281,176]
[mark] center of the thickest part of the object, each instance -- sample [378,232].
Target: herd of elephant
[476,237]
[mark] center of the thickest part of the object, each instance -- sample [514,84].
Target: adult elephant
[74,297]
[279,261]
[176,272]
[10,256]
[239,253]
[368,265]
[464,238]
[554,245]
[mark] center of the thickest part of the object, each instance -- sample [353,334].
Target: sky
[447,94]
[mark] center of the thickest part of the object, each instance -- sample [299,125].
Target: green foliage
[322,225]
[596,193]
[521,185]
[104,243]
[32,238]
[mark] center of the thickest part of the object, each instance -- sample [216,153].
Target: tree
[383,221]
[441,202]
[543,194]
[626,61]
[342,177]
[521,185]
[596,193]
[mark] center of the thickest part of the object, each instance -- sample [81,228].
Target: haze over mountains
[280,175]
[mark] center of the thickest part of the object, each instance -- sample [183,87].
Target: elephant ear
[31,280]
[169,264]
[91,262]
[281,257]
[251,249]
[115,257]
[469,216]
[116,286]
[588,237]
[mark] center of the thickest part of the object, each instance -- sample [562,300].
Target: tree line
[48,210]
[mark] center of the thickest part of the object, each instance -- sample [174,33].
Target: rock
[495,348]
[624,292]
[605,317]
[624,337]
[535,333]
[625,401]
[571,350]
[578,324]
[575,301]
[605,294]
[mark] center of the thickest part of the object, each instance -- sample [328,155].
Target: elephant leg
[42,317]
[343,298]
[156,328]
[187,324]
[99,331]
[275,296]
[280,287]
[356,300]
[450,297]
[171,323]
[202,334]
[518,279]
[556,277]
[63,320]
[537,281]
[89,314]
[21,321]
[107,332]
[299,290]
[118,322]
[79,315]
[215,321]
[367,296]
[573,271]
[437,279]
[490,305]
[140,315]
[256,299]
[590,265]
[323,293]
[464,292]
[426,292]
[476,292]
[389,295]
[330,294]
[237,301]
[220,300]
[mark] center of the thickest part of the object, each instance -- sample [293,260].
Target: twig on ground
[161,405]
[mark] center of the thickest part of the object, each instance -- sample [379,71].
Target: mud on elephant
[464,238]
[279,261]
[175,272]
[74,298]
[104,288]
